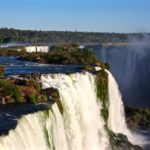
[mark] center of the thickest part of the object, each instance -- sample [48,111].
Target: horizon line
[73,31]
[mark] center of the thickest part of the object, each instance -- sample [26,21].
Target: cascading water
[32,49]
[84,128]
[116,120]
[81,127]
[36,132]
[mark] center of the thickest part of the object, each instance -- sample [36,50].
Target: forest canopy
[45,37]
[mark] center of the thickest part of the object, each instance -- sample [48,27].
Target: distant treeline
[30,36]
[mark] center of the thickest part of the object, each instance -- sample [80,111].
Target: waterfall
[33,49]
[36,132]
[116,120]
[81,127]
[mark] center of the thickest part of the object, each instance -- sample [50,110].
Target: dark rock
[120,142]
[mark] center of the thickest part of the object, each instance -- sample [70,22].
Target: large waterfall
[33,49]
[116,121]
[84,128]
[80,127]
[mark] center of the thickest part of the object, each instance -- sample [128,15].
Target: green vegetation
[1,72]
[138,117]
[26,91]
[102,91]
[30,90]
[65,54]
[9,92]
[107,66]
[117,141]
[28,36]
[60,54]
[53,95]
[11,52]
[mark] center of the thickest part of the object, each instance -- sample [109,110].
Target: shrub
[1,72]
[10,92]
[102,91]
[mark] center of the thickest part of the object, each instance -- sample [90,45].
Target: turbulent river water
[13,66]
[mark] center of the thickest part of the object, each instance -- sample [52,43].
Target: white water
[116,120]
[32,130]
[80,128]
[83,125]
[33,49]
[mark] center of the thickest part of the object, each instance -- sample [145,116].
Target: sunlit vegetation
[102,91]
[25,91]
[62,55]
[29,36]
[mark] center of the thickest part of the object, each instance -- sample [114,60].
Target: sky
[124,16]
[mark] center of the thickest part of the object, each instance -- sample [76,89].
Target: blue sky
[80,15]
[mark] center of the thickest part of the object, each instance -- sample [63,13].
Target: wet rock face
[52,93]
[120,142]
[53,97]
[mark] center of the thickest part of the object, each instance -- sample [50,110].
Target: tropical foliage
[29,36]
[138,117]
